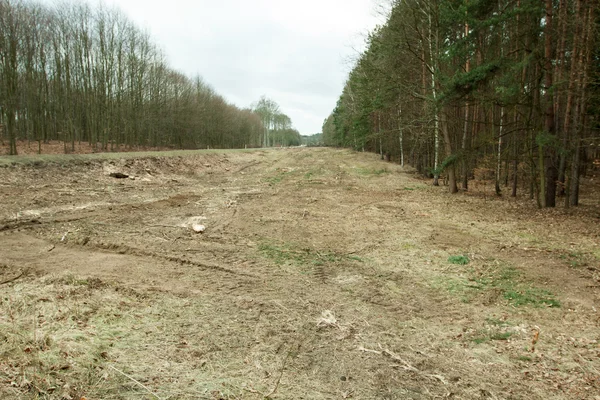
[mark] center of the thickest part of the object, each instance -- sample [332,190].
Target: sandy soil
[322,274]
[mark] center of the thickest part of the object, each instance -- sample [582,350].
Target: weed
[458,260]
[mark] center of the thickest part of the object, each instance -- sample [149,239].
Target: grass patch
[495,330]
[504,280]
[459,260]
[533,296]
[492,336]
[574,259]
[370,171]
[313,172]
[288,254]
[530,238]
[273,180]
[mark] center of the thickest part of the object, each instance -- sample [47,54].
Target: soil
[321,274]
[25,147]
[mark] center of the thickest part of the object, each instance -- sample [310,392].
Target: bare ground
[322,274]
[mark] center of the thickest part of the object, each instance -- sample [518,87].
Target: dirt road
[322,274]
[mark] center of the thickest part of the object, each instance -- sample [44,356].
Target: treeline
[313,140]
[458,86]
[78,73]
[277,126]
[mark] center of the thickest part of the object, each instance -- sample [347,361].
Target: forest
[457,88]
[77,73]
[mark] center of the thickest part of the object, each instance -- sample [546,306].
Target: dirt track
[322,274]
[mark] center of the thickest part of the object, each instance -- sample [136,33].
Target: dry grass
[322,274]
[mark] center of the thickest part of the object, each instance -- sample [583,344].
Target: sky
[296,52]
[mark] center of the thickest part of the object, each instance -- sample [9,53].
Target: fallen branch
[272,392]
[248,166]
[391,355]
[396,357]
[405,365]
[12,279]
[279,378]
[136,382]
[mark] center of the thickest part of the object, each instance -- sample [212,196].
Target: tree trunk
[451,168]
[581,108]
[550,152]
[499,161]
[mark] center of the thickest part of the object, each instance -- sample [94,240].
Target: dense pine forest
[456,88]
[77,73]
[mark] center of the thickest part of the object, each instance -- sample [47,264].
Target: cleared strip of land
[322,274]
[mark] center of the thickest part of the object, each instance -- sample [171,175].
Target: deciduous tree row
[277,126]
[76,73]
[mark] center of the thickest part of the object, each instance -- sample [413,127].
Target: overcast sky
[295,52]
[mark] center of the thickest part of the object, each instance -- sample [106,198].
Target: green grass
[289,254]
[313,172]
[280,176]
[458,260]
[496,330]
[574,259]
[370,171]
[504,279]
[274,179]
[531,296]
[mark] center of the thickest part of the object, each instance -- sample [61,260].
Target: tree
[78,73]
[490,80]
